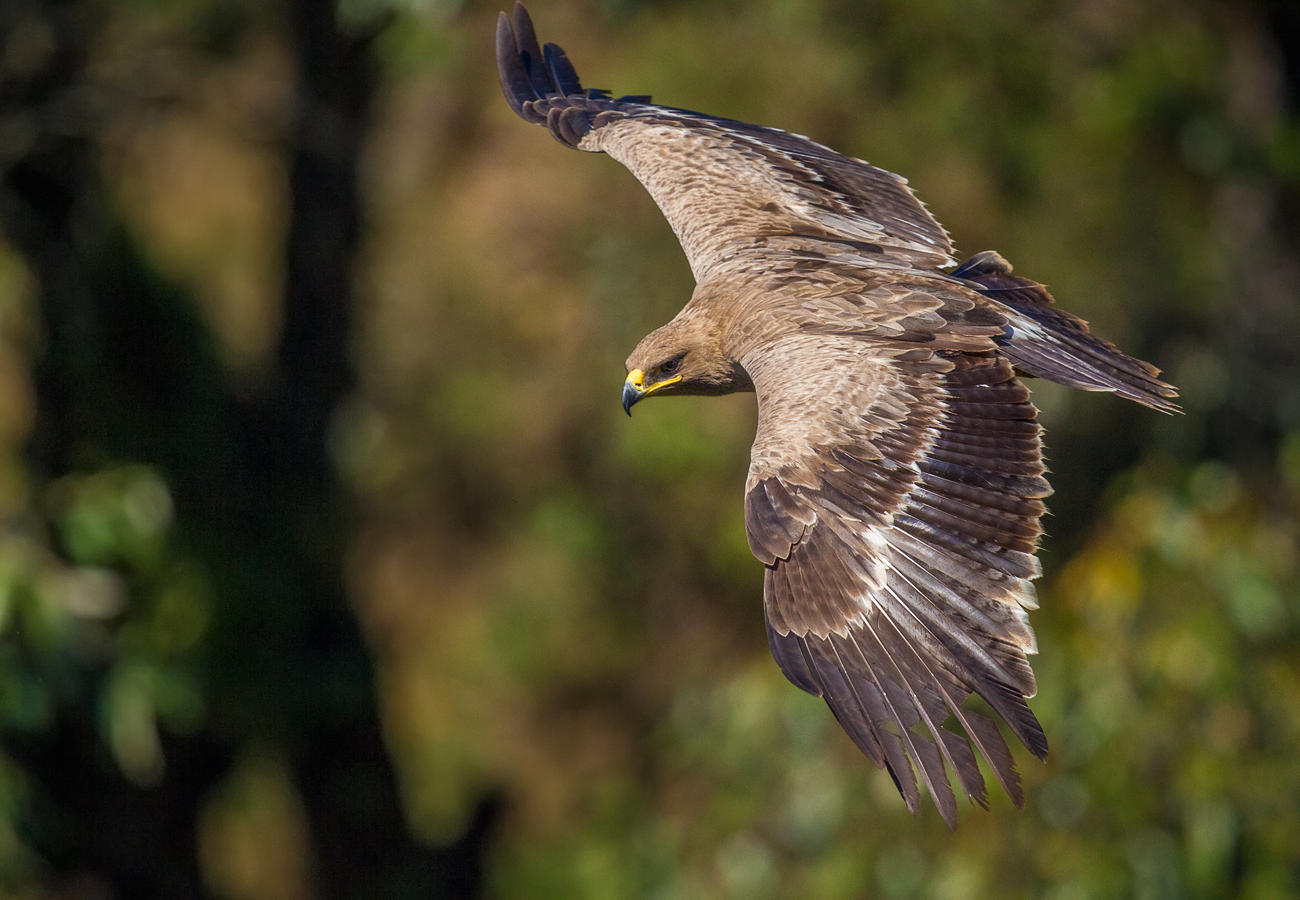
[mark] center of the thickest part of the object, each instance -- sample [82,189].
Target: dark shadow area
[126,372]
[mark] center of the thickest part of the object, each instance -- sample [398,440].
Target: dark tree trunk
[363,847]
[128,373]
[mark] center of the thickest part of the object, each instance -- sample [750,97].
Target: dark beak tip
[630,396]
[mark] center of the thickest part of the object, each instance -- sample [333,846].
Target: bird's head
[684,357]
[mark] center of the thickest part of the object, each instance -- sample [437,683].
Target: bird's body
[896,479]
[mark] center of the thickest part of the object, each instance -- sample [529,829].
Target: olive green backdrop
[330,566]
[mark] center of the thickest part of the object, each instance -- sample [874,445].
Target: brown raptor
[896,481]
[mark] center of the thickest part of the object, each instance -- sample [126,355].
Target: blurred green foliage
[560,602]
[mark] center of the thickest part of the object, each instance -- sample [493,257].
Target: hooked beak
[633,389]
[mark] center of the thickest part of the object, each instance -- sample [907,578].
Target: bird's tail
[1048,342]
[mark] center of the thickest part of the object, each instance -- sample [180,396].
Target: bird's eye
[670,367]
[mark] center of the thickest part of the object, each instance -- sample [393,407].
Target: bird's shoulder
[798,289]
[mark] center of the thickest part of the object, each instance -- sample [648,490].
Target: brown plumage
[896,480]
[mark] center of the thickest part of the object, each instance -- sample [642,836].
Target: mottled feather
[896,481]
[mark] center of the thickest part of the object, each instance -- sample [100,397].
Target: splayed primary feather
[896,481]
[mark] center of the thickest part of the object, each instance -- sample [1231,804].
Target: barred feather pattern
[896,481]
[899,569]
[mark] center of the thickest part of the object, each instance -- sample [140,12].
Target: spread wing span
[723,185]
[896,481]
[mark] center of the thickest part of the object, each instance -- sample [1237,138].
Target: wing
[725,186]
[1048,342]
[894,496]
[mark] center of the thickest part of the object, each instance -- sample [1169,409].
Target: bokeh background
[330,566]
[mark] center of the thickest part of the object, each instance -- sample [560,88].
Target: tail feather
[1048,342]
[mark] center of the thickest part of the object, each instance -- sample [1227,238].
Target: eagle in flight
[896,481]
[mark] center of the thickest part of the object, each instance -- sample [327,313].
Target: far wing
[894,495]
[724,186]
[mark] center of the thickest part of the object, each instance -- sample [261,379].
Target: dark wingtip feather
[785,649]
[510,67]
[531,53]
[541,85]
[562,71]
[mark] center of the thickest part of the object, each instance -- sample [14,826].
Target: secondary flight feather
[896,480]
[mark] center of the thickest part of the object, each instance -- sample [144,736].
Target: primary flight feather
[896,481]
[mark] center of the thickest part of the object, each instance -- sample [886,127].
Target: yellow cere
[636,378]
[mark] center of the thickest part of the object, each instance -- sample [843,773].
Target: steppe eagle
[896,480]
